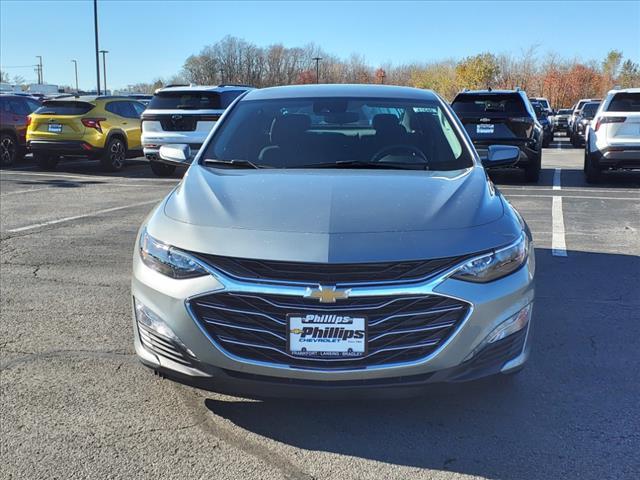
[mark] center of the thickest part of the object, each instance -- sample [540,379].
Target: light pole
[95,29]
[75,63]
[317,60]
[104,69]
[40,75]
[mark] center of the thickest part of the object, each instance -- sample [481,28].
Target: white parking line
[77,217]
[28,190]
[556,179]
[558,245]
[590,197]
[86,177]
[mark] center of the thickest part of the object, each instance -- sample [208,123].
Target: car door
[134,111]
[125,118]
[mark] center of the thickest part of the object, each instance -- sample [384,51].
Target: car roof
[624,90]
[202,88]
[489,92]
[340,90]
[90,98]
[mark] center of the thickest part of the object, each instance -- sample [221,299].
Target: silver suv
[183,114]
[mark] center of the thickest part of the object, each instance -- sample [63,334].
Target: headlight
[496,264]
[168,260]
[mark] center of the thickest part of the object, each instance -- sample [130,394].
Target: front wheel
[114,155]
[8,150]
[46,161]
[162,169]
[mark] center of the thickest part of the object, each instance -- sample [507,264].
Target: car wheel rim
[117,154]
[7,151]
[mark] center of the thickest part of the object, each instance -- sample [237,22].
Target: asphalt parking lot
[75,402]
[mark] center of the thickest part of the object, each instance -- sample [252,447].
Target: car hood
[332,215]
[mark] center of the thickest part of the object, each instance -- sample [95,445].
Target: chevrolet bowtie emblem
[325,294]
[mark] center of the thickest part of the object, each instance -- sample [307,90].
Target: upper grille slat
[333,273]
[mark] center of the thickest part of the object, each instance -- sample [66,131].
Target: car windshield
[60,107]
[339,132]
[470,103]
[184,100]
[625,102]
[590,109]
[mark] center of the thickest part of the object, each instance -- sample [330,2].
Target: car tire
[46,161]
[592,170]
[546,142]
[114,155]
[9,150]
[532,171]
[162,169]
[575,143]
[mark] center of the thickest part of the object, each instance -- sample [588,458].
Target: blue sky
[151,39]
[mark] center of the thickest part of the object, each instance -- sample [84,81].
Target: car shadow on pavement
[568,414]
[59,183]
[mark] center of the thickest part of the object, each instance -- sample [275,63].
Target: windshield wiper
[216,162]
[368,164]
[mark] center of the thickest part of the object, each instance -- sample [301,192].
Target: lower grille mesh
[400,329]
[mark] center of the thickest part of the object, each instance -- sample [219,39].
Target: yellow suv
[104,127]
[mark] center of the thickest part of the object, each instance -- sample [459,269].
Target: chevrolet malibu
[334,238]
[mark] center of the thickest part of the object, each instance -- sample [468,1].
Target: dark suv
[14,110]
[503,117]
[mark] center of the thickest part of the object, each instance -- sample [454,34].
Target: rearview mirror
[501,156]
[175,153]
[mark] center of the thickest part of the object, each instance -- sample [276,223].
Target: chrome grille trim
[413,290]
[230,325]
[414,330]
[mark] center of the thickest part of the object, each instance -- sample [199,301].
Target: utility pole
[75,63]
[104,69]
[95,28]
[221,76]
[40,75]
[317,60]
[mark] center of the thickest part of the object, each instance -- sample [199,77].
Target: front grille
[332,273]
[400,329]
[162,346]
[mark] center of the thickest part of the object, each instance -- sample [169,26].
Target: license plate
[321,335]
[484,128]
[55,127]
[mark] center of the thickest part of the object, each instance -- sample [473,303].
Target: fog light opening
[147,317]
[513,324]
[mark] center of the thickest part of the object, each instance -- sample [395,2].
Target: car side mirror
[175,153]
[501,156]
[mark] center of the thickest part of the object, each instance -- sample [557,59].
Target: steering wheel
[383,152]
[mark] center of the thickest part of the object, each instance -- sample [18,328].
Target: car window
[32,105]
[301,132]
[510,103]
[62,107]
[589,110]
[625,102]
[122,108]
[18,107]
[139,108]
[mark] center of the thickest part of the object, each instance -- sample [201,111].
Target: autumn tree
[479,71]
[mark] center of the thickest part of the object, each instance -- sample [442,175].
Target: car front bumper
[210,366]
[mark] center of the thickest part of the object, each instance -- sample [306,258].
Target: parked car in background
[183,114]
[561,121]
[545,105]
[332,238]
[103,127]
[504,117]
[14,110]
[141,97]
[543,117]
[613,136]
[576,109]
[581,122]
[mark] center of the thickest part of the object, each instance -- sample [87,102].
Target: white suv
[183,114]
[613,136]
